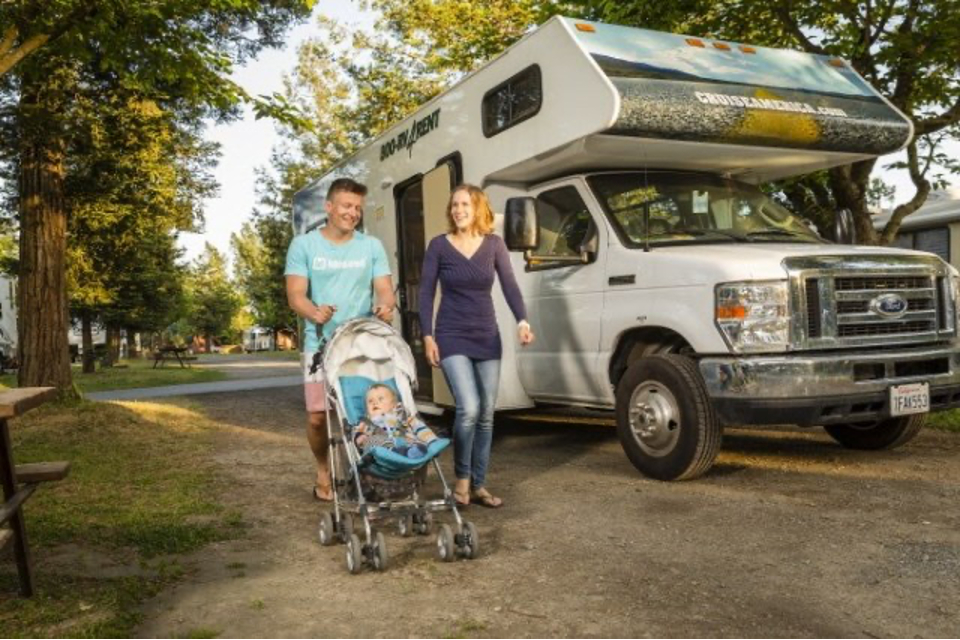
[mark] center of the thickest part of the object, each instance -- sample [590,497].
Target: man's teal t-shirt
[339,274]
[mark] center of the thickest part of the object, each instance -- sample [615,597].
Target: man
[332,274]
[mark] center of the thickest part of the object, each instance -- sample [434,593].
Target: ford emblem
[889,305]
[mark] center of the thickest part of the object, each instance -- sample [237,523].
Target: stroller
[379,485]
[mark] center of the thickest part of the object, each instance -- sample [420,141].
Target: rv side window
[512,102]
[564,222]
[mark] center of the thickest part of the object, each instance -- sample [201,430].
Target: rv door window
[565,223]
[512,102]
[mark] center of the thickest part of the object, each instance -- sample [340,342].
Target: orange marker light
[722,46]
[589,28]
[747,49]
[733,312]
[837,62]
[694,42]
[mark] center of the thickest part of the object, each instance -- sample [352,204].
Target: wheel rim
[380,556]
[654,419]
[351,559]
[324,533]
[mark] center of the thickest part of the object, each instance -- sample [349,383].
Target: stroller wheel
[354,554]
[346,528]
[471,541]
[445,544]
[381,559]
[425,524]
[326,530]
[405,526]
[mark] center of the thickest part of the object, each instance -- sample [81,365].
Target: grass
[945,421]
[141,491]
[137,374]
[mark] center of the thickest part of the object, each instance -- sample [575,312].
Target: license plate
[909,398]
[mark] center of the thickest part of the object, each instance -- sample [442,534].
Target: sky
[247,143]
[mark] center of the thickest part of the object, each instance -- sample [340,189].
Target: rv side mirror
[844,231]
[520,225]
[588,249]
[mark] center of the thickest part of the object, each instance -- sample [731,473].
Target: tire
[665,420]
[882,434]
[346,527]
[425,526]
[471,547]
[325,530]
[405,526]
[446,547]
[381,559]
[354,554]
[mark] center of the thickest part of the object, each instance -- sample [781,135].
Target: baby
[387,425]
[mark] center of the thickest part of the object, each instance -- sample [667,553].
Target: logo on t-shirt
[321,263]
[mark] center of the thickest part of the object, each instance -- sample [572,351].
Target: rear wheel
[446,548]
[471,541]
[326,529]
[880,434]
[665,421]
[381,559]
[354,554]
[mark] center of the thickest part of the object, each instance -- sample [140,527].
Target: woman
[466,343]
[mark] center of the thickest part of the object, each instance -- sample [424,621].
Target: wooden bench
[163,354]
[20,481]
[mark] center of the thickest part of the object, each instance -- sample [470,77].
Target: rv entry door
[421,207]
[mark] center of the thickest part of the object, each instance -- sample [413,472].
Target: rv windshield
[690,208]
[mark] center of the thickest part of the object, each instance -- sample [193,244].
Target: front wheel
[880,434]
[665,421]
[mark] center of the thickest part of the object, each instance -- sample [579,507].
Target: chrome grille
[846,301]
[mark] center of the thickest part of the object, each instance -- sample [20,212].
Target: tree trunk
[43,322]
[208,343]
[89,357]
[112,351]
[134,349]
[850,184]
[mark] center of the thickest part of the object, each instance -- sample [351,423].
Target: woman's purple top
[466,323]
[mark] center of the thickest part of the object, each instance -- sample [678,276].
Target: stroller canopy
[372,349]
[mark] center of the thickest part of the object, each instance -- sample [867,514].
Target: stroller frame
[350,502]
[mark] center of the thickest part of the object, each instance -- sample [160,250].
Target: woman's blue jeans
[474,385]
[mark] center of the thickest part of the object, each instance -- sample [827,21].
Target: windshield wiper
[776,232]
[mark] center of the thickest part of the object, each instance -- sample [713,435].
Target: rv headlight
[753,316]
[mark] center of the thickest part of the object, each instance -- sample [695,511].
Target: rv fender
[638,342]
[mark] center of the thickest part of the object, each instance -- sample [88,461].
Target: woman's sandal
[318,497]
[462,498]
[486,499]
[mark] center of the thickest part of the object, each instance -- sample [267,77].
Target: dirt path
[789,535]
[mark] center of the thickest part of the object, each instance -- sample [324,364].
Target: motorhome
[625,167]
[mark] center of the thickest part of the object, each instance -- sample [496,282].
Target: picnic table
[171,352]
[13,403]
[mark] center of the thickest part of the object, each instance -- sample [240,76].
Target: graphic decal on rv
[739,114]
[765,103]
[406,139]
[670,89]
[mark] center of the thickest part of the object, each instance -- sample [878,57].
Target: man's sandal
[318,497]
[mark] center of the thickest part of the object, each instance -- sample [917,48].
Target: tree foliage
[212,299]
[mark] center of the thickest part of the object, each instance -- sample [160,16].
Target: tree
[176,52]
[136,176]
[907,49]
[212,299]
[259,262]
[27,26]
